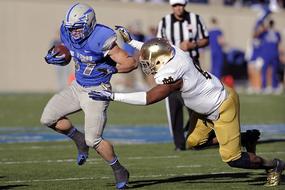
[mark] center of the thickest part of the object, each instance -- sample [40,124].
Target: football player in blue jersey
[96,56]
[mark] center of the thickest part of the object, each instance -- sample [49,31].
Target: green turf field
[154,166]
[51,165]
[25,110]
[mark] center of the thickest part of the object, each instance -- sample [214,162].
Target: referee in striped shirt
[185,30]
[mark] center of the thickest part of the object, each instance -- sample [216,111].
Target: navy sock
[115,164]
[78,138]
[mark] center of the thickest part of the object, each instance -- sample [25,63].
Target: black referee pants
[175,108]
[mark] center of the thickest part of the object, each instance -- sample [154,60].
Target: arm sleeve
[109,44]
[202,29]
[136,98]
[264,13]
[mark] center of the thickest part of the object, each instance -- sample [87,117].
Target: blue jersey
[92,65]
[272,39]
[257,43]
[214,35]
[257,46]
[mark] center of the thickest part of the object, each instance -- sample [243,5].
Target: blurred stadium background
[27,82]
[28,26]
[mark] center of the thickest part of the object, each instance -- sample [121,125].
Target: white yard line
[108,177]
[90,160]
[153,157]
[38,162]
[50,180]
[189,166]
[28,147]
[3,162]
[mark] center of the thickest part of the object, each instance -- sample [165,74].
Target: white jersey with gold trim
[201,91]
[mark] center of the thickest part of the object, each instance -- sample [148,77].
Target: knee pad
[93,142]
[242,162]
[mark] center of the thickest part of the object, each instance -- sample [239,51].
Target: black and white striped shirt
[191,27]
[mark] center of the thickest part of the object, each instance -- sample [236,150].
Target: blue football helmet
[79,22]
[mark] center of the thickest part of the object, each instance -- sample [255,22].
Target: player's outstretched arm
[161,91]
[125,63]
[154,95]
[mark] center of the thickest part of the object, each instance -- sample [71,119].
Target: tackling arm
[154,95]
[161,91]
[125,63]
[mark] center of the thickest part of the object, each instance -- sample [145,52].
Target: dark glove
[104,95]
[52,57]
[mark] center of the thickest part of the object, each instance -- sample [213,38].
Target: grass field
[51,165]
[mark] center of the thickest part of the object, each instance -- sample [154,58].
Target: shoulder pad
[109,43]
[100,36]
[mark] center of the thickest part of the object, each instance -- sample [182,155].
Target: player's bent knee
[47,121]
[242,162]
[192,142]
[94,142]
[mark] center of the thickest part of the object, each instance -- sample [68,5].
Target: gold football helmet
[154,53]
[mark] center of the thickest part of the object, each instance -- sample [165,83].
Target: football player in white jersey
[217,105]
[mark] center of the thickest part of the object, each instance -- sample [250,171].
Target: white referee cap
[173,2]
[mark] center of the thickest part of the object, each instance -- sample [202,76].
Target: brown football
[63,50]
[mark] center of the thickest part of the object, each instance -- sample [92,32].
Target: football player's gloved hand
[52,57]
[125,34]
[104,95]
